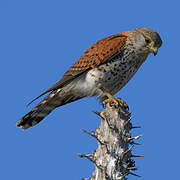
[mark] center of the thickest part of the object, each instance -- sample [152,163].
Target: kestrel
[101,71]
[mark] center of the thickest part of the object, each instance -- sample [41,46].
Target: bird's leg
[117,100]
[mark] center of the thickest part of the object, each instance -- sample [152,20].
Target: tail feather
[44,108]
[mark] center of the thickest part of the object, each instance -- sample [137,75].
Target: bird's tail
[46,106]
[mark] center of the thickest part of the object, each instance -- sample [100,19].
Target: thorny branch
[114,162]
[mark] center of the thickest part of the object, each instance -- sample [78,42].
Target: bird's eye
[148,41]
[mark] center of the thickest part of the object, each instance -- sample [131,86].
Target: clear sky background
[39,41]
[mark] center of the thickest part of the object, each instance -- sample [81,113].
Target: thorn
[90,133]
[129,114]
[93,135]
[88,156]
[128,150]
[130,163]
[84,155]
[133,127]
[135,156]
[136,137]
[132,168]
[98,113]
[124,175]
[134,174]
[129,120]
[132,142]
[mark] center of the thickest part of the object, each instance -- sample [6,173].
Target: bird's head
[147,40]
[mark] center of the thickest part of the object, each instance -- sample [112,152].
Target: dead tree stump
[113,157]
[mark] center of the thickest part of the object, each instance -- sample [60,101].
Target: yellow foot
[115,100]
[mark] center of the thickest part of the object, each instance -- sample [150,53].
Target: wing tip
[38,97]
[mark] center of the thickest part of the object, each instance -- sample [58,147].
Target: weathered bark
[113,158]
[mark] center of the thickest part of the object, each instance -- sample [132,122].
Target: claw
[123,103]
[116,101]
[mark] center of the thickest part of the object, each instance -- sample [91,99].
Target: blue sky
[39,41]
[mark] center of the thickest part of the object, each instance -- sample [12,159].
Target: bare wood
[113,158]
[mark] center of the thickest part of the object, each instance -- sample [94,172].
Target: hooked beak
[154,50]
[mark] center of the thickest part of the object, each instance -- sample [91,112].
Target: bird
[101,71]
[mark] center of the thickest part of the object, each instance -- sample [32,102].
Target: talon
[123,103]
[115,100]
